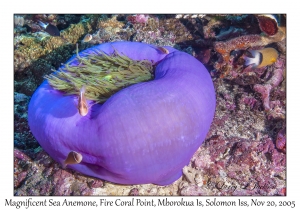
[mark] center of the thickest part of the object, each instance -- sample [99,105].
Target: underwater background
[245,150]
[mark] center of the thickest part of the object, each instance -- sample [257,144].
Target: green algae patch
[101,74]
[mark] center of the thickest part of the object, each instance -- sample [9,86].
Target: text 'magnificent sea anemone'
[143,132]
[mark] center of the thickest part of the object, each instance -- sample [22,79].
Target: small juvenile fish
[50,29]
[72,158]
[82,106]
[87,38]
[164,50]
[260,58]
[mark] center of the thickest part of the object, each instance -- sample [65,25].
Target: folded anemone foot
[148,109]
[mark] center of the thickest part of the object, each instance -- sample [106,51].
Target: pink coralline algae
[276,109]
[42,176]
[281,140]
[192,190]
[244,152]
[134,192]
[204,56]
[231,32]
[264,91]
[246,159]
[138,18]
[250,101]
[234,165]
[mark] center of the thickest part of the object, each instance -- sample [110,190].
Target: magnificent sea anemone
[141,132]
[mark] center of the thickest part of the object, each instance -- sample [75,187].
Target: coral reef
[245,150]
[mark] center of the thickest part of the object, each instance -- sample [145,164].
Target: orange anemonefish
[163,50]
[87,38]
[82,106]
[260,58]
[72,158]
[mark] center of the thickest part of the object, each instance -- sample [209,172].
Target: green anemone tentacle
[102,75]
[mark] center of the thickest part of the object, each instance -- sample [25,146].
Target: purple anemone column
[145,133]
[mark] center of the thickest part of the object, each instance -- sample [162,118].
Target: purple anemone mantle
[145,133]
